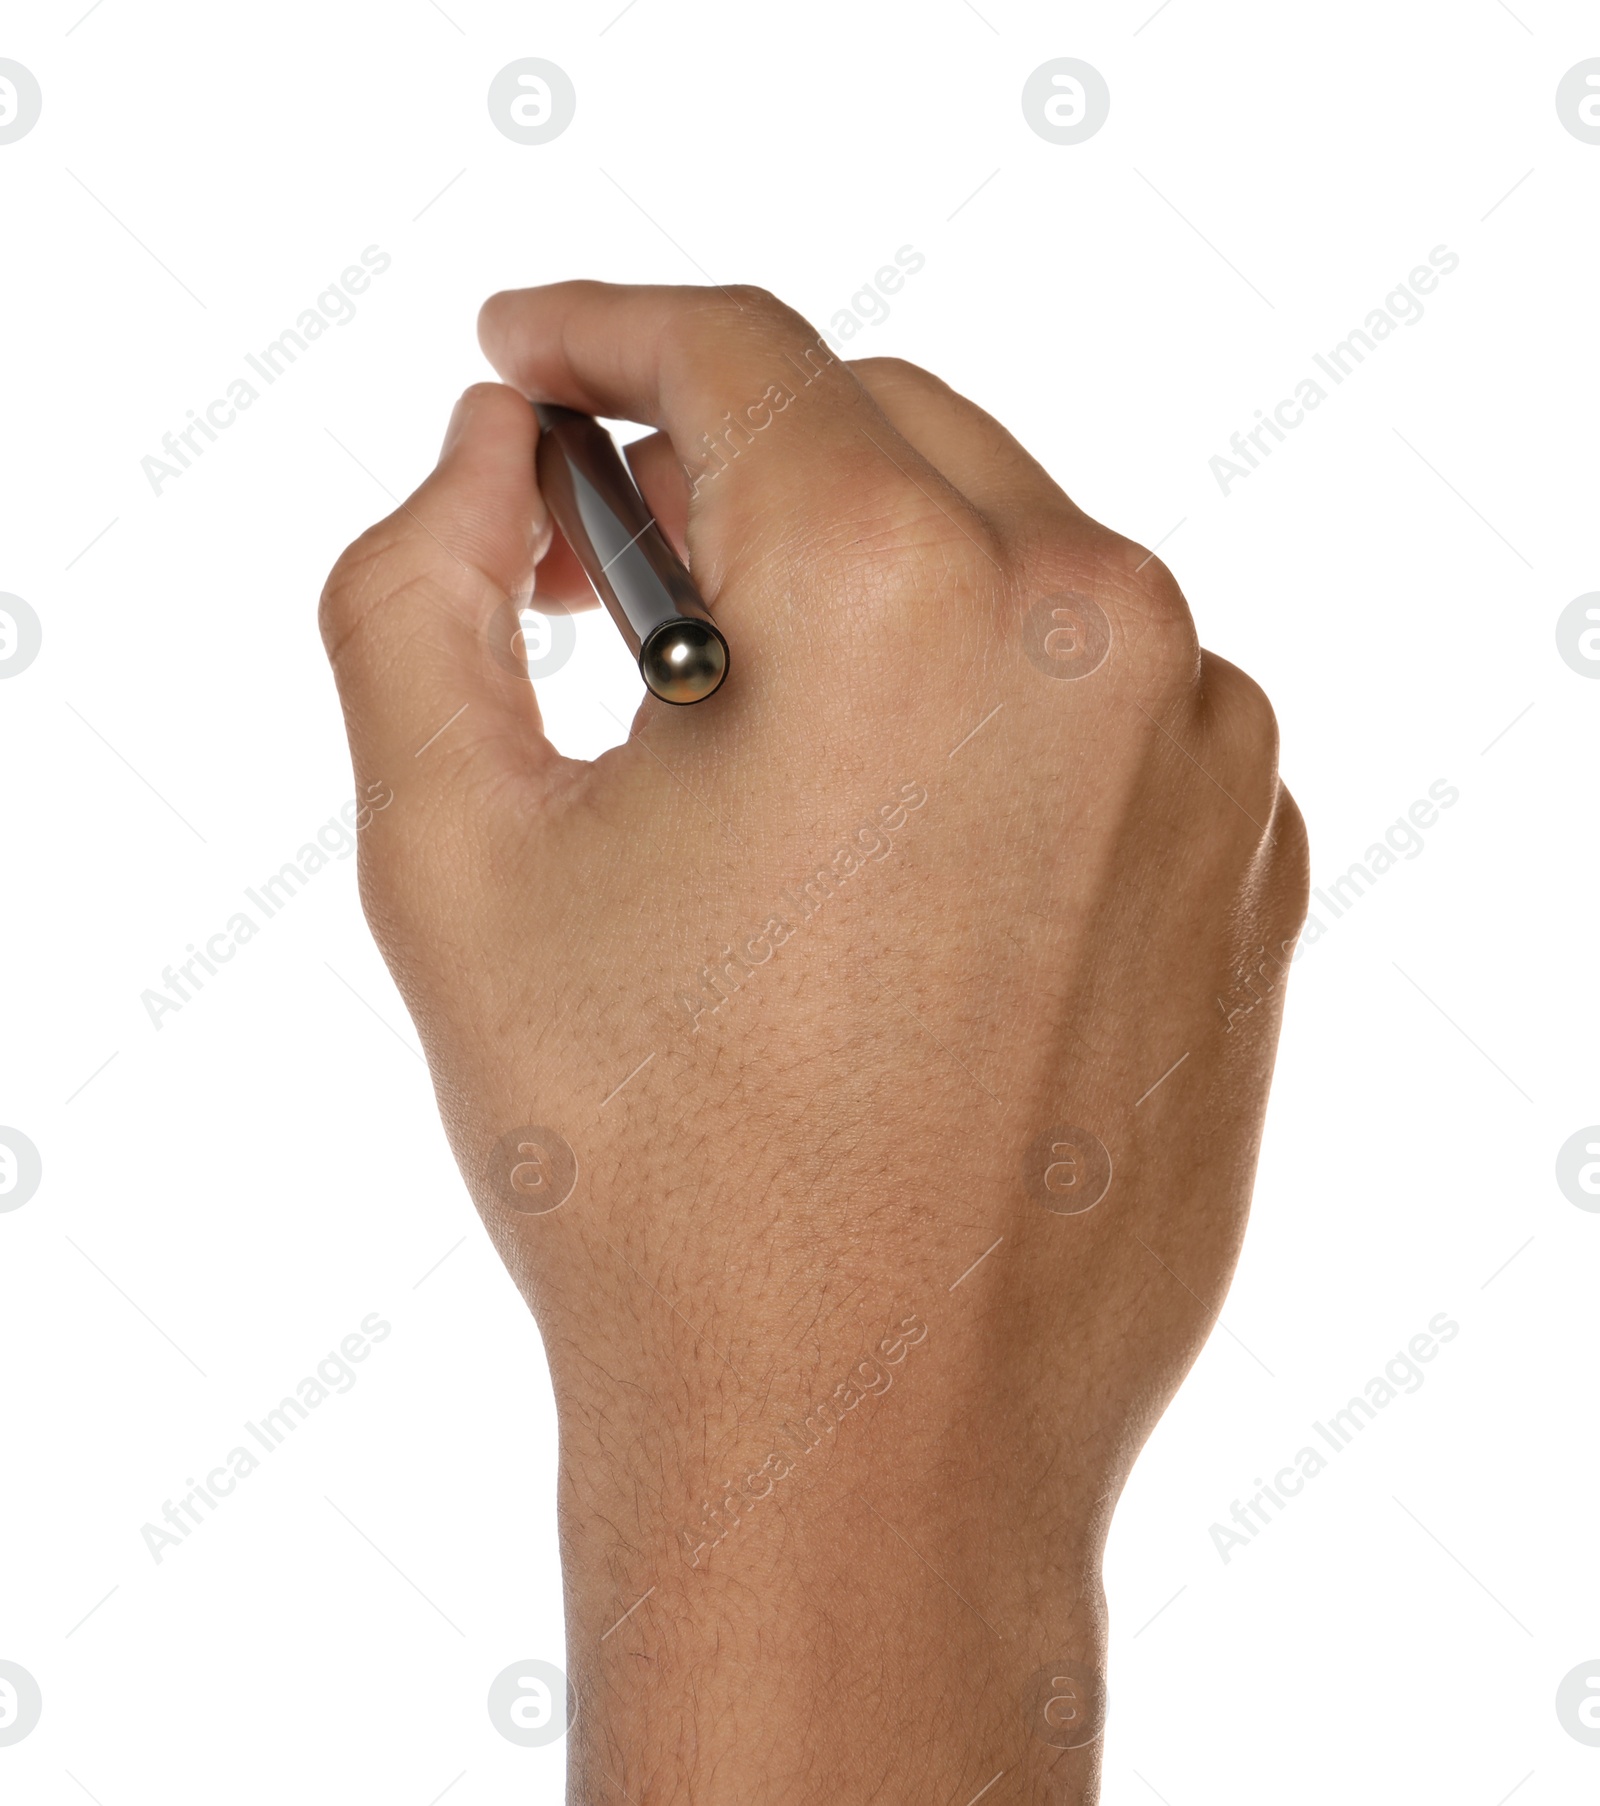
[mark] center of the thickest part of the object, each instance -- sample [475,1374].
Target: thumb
[418,615]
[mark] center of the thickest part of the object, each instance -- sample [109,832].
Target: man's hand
[860,1073]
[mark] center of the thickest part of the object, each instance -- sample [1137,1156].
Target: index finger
[771,427]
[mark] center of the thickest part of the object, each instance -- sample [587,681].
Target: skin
[779,1200]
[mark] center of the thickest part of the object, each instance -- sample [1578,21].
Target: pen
[682,656]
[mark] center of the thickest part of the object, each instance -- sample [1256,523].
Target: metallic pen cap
[683,661]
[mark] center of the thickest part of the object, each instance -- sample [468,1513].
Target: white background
[266,1169]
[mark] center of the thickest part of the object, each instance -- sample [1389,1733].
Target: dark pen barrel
[646,590]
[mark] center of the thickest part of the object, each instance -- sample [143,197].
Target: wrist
[891,1540]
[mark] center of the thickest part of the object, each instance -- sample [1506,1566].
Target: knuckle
[1144,582]
[346,582]
[1153,582]
[894,373]
[1154,642]
[1156,617]
[1291,844]
[752,298]
[1284,864]
[1243,724]
[362,574]
[760,321]
[692,335]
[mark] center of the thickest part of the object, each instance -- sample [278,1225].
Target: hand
[905,1012]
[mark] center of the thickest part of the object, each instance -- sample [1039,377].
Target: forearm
[845,1591]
